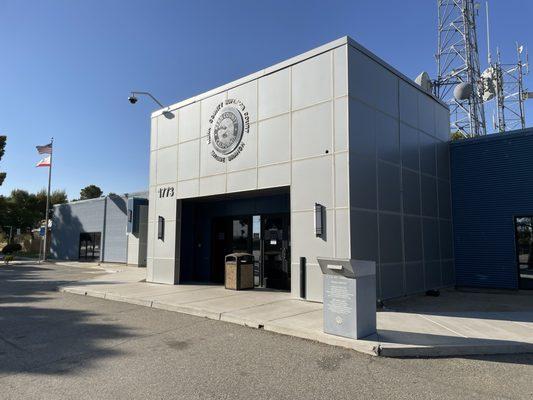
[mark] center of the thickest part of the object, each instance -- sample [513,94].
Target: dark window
[524,251]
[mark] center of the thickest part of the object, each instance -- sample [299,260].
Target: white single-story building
[332,153]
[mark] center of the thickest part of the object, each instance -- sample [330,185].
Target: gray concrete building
[106,229]
[333,153]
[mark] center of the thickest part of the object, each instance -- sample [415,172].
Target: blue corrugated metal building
[492,202]
[108,229]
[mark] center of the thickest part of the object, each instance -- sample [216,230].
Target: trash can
[239,271]
[349,297]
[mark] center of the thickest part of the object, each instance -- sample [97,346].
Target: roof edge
[517,133]
[345,40]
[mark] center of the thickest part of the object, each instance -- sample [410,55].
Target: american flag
[46,149]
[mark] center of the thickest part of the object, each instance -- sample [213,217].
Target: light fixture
[167,113]
[320,220]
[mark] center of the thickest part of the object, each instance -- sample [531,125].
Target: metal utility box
[349,297]
[239,271]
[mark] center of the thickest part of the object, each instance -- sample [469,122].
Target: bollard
[302,277]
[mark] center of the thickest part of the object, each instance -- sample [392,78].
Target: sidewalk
[455,323]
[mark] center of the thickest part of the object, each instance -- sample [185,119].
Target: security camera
[132,99]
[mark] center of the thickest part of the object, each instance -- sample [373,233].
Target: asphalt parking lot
[57,345]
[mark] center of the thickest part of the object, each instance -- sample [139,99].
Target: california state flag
[45,162]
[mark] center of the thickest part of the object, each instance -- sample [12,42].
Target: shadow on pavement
[426,339]
[513,306]
[47,333]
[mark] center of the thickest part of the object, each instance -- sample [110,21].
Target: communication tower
[458,76]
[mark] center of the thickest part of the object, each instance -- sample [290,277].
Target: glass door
[524,251]
[276,252]
[229,235]
[256,251]
[89,246]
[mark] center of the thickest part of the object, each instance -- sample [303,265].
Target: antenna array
[458,64]
[460,83]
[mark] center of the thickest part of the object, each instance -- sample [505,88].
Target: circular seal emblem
[229,124]
[228,130]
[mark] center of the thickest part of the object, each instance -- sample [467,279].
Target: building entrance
[255,222]
[267,237]
[89,246]
[524,250]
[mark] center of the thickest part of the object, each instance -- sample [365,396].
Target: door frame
[285,244]
[228,219]
[93,236]
[517,252]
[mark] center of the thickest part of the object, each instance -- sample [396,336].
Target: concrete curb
[240,321]
[369,348]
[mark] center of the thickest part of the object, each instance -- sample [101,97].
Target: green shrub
[11,248]
[8,258]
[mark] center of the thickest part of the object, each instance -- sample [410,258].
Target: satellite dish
[462,91]
[424,81]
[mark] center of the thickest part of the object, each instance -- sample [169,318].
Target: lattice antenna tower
[458,75]
[504,82]
[511,93]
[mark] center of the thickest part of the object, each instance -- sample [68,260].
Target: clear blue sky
[67,66]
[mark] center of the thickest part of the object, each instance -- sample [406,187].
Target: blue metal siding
[492,182]
[115,238]
[67,223]
[70,219]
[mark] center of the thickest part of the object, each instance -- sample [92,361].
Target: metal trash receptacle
[239,271]
[349,297]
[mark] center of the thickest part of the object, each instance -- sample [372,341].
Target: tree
[90,192]
[24,210]
[56,197]
[457,135]
[3,140]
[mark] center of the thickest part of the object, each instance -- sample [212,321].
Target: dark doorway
[230,235]
[267,237]
[89,247]
[276,251]
[212,227]
[524,251]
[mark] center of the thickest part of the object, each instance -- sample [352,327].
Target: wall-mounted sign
[229,123]
[167,191]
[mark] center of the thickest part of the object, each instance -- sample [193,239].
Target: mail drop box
[349,297]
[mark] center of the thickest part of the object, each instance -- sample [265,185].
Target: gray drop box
[349,297]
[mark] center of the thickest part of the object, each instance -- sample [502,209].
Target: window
[524,251]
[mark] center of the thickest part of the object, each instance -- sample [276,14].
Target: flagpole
[48,199]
